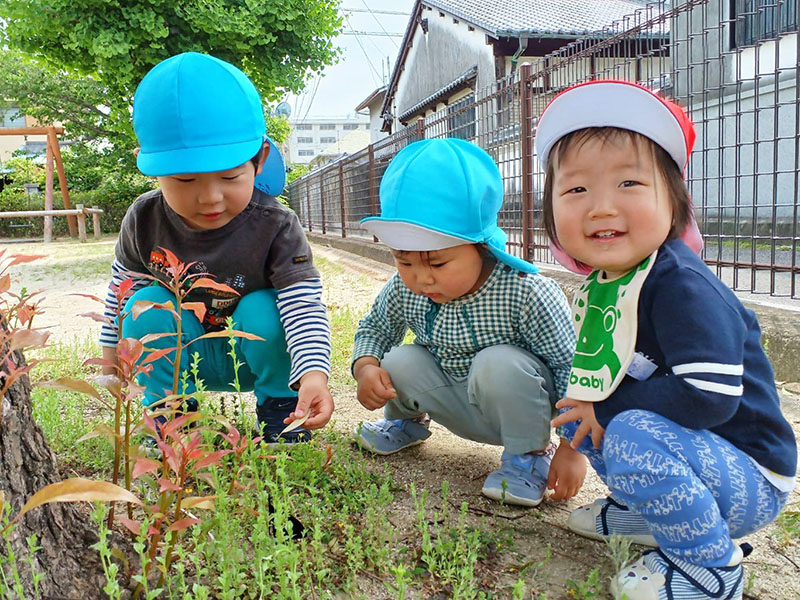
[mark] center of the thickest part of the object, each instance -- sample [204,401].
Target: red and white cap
[624,105]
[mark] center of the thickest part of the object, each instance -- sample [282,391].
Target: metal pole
[373,196]
[322,199]
[526,149]
[342,200]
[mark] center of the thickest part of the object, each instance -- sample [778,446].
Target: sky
[362,65]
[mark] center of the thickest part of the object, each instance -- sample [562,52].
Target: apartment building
[312,135]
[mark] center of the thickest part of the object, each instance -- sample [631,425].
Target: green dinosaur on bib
[605,313]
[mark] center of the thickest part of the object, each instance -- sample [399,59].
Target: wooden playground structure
[76,217]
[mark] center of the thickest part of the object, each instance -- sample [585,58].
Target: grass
[69,260]
[245,548]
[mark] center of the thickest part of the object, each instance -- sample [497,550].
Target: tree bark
[65,531]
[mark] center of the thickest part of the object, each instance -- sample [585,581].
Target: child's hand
[583,412]
[315,397]
[567,472]
[374,384]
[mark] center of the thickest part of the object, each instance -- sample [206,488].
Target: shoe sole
[509,498]
[642,540]
[364,444]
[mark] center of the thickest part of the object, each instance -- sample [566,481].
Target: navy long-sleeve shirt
[711,370]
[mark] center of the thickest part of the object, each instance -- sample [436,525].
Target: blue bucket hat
[442,193]
[194,113]
[272,178]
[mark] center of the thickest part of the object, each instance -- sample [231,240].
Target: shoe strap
[673,567]
[604,512]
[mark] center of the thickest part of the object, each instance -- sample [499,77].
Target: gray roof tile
[574,17]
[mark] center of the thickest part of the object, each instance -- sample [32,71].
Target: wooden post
[526,144]
[48,192]
[62,178]
[96,223]
[81,223]
[342,200]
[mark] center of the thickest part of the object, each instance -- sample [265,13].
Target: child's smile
[611,213]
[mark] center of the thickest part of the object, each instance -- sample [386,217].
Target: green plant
[586,590]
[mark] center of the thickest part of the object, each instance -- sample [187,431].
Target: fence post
[373,198]
[81,223]
[48,192]
[322,199]
[96,223]
[421,128]
[342,200]
[308,202]
[526,148]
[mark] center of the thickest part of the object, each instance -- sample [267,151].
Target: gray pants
[506,400]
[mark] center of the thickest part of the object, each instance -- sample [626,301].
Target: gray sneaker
[386,436]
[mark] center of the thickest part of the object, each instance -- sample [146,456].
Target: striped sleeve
[305,322]
[108,333]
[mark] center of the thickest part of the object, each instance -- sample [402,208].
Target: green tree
[79,61]
[277,43]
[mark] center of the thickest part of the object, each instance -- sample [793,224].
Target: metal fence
[733,64]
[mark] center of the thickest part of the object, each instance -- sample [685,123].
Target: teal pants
[266,363]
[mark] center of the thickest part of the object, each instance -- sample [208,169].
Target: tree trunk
[65,531]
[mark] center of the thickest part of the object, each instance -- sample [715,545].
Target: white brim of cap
[399,235]
[610,104]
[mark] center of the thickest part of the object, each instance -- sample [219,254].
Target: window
[327,140]
[461,118]
[305,140]
[328,126]
[350,126]
[11,117]
[759,20]
[304,127]
[305,153]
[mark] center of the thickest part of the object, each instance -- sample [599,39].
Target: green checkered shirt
[529,311]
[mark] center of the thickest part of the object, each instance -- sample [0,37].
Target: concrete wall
[438,57]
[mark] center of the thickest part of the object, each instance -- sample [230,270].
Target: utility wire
[364,2]
[375,33]
[377,12]
[369,61]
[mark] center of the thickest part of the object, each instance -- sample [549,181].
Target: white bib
[605,316]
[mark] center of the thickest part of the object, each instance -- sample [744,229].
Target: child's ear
[264,154]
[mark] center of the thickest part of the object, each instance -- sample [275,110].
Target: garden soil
[772,571]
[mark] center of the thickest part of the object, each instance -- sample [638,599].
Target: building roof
[539,17]
[378,93]
[566,19]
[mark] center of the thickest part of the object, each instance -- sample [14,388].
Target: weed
[586,590]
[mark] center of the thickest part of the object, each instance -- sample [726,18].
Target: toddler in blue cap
[493,338]
[201,130]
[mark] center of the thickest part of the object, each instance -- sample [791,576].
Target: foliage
[296,171]
[51,94]
[278,129]
[276,43]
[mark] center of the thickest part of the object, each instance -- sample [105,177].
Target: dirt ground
[772,571]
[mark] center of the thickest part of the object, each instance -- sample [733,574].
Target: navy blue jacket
[712,372]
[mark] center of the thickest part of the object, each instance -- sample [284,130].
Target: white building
[310,136]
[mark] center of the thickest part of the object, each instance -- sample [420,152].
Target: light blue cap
[441,193]
[272,178]
[194,113]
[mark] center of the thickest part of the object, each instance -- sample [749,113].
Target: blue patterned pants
[694,489]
